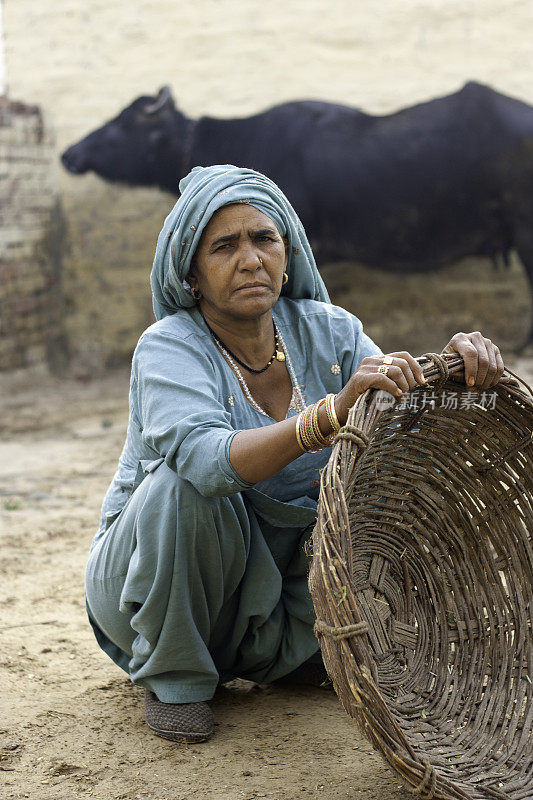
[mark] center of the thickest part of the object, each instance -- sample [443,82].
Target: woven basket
[422,581]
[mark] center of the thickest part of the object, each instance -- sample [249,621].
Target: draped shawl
[202,192]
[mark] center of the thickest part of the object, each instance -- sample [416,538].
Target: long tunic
[196,576]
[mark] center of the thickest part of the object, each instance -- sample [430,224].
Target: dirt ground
[72,724]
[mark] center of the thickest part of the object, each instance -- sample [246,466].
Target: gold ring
[384,369]
[388,360]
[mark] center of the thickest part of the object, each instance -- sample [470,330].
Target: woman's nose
[248,258]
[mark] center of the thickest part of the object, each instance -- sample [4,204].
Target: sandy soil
[72,723]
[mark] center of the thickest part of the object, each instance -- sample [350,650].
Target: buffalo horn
[163,98]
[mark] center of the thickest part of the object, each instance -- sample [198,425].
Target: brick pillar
[31,241]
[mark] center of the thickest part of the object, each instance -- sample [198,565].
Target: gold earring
[285,278]
[195,293]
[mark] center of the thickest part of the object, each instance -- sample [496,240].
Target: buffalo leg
[524,247]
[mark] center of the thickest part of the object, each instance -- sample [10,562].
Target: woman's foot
[180,722]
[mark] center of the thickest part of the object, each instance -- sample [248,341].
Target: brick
[29,296]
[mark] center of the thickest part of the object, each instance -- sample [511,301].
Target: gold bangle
[331,436]
[324,441]
[314,424]
[307,433]
[332,414]
[307,430]
[298,433]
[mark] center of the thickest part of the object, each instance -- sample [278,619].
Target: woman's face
[228,272]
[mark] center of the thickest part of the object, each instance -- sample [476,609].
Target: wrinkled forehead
[233,217]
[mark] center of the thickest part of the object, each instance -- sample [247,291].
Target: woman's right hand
[404,374]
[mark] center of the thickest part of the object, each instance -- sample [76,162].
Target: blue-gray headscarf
[203,191]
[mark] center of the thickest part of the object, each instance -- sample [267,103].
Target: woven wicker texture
[422,581]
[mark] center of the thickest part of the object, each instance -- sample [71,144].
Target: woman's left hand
[483,362]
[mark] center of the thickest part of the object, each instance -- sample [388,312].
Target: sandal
[180,722]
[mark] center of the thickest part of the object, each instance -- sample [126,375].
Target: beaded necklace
[300,402]
[277,354]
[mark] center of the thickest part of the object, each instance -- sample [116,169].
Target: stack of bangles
[308,434]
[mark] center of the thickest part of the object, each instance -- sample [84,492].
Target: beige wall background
[82,62]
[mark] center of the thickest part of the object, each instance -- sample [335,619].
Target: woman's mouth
[252,286]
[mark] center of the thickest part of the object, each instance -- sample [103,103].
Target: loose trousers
[185,591]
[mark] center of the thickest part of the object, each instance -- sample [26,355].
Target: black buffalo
[408,191]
